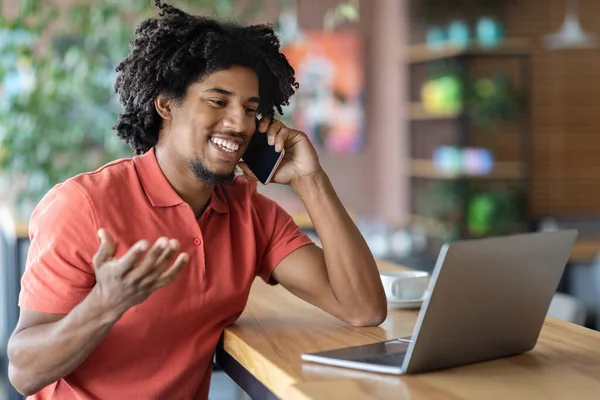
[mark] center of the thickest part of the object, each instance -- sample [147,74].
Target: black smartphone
[261,157]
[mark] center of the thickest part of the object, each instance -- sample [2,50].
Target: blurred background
[435,120]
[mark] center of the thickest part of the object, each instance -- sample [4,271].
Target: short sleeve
[63,232]
[283,236]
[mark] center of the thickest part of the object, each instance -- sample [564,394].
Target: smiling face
[210,128]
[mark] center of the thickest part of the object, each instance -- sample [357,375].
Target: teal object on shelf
[448,160]
[489,32]
[458,34]
[435,38]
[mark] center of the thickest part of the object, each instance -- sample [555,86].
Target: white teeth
[226,145]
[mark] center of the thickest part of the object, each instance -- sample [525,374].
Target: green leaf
[63,126]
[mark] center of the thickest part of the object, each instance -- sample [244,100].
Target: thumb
[106,250]
[247,172]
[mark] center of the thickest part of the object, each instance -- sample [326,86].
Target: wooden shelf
[511,46]
[585,250]
[417,112]
[421,168]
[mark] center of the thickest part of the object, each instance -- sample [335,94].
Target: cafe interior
[436,121]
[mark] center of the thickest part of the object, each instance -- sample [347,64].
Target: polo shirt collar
[218,201]
[160,192]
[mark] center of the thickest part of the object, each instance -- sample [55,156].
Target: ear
[163,106]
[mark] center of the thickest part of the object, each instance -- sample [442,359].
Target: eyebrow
[230,94]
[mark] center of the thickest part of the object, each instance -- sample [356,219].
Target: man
[135,269]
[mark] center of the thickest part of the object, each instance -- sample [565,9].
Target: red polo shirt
[163,347]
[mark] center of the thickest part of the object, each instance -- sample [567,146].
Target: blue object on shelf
[489,32]
[435,38]
[458,34]
[477,161]
[448,160]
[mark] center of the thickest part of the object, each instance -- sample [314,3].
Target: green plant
[489,99]
[495,211]
[441,201]
[57,104]
[493,100]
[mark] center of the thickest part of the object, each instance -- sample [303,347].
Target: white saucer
[405,304]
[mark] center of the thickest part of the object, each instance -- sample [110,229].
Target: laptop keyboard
[394,359]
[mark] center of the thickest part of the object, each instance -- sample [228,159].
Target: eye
[251,111]
[219,103]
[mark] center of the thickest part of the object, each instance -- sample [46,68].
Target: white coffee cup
[404,285]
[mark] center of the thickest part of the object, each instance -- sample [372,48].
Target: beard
[205,175]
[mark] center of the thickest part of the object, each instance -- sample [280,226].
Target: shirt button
[197,242]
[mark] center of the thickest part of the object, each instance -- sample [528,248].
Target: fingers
[106,250]
[129,259]
[150,262]
[247,172]
[167,255]
[263,125]
[150,268]
[169,276]
[159,266]
[278,134]
[281,139]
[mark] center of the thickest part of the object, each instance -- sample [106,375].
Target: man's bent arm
[343,279]
[42,352]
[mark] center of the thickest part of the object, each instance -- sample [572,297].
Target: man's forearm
[43,354]
[351,269]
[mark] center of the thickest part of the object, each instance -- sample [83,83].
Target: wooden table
[261,352]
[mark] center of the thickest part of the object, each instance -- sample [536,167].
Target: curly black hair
[176,49]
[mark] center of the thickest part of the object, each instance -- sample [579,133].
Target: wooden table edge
[231,360]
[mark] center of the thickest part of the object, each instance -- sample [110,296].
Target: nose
[236,120]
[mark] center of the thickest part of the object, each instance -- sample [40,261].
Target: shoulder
[108,186]
[74,199]
[112,175]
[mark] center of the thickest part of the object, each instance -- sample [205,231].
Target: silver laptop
[488,299]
